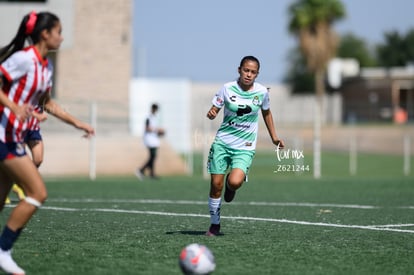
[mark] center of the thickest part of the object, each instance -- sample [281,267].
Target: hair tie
[31,22]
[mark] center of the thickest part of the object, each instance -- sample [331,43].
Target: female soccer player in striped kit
[26,74]
[33,139]
[235,142]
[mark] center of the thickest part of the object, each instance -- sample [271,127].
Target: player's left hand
[279,143]
[89,130]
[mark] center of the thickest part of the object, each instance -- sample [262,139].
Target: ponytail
[17,43]
[30,28]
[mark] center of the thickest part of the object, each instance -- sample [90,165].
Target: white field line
[145,201]
[376,228]
[395,225]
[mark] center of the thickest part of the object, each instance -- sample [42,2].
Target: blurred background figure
[152,136]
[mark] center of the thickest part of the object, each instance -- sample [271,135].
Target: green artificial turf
[279,223]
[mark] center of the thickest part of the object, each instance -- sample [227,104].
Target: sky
[204,41]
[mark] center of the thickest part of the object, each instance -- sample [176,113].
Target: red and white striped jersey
[27,77]
[33,124]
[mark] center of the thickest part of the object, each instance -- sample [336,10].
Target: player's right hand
[23,112]
[212,113]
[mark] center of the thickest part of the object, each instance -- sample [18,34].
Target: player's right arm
[218,103]
[12,69]
[22,112]
[212,113]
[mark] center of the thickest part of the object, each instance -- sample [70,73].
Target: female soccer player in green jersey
[235,142]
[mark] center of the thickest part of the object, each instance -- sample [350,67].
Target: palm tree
[311,21]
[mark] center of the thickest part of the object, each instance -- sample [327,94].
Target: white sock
[214,207]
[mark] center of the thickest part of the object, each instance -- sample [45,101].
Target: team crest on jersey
[219,100]
[256,101]
[19,149]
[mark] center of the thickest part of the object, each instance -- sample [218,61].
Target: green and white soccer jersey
[241,114]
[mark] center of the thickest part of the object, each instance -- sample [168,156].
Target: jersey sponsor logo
[232,98]
[243,109]
[234,124]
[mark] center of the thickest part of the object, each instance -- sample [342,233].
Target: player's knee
[33,201]
[40,196]
[217,185]
[235,182]
[43,197]
[37,199]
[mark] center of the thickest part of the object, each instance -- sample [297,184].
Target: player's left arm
[41,116]
[56,110]
[268,119]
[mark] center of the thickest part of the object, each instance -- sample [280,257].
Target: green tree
[301,80]
[409,40]
[298,77]
[351,46]
[311,21]
[397,50]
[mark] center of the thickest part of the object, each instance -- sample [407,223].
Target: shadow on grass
[189,232]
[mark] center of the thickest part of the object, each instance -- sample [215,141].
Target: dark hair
[154,107]
[43,21]
[249,58]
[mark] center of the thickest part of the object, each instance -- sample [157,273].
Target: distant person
[26,76]
[152,136]
[235,142]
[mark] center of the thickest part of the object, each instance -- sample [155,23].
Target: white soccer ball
[196,259]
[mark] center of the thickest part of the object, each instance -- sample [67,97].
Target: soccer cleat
[19,192]
[8,264]
[214,230]
[228,194]
[139,174]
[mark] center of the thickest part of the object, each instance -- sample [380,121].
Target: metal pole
[298,143]
[317,140]
[407,155]
[92,143]
[206,146]
[353,157]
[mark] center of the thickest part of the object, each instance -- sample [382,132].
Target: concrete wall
[11,15]
[94,62]
[98,66]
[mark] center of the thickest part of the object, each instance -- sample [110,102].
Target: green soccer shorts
[221,158]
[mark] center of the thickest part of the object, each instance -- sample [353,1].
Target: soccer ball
[196,259]
[161,132]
